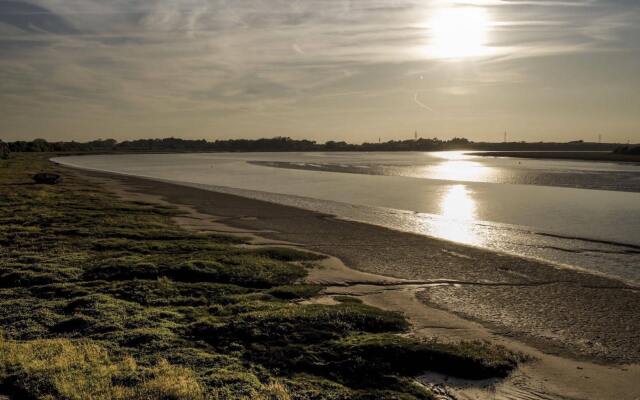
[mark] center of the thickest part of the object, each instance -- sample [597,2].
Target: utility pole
[505,136]
[599,138]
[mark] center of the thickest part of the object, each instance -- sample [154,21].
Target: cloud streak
[144,68]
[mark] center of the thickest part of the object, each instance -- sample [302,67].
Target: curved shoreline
[563,312]
[403,255]
[475,213]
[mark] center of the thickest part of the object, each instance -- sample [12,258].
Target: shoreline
[435,312]
[549,244]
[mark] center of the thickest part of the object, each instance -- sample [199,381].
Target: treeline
[288,144]
[4,150]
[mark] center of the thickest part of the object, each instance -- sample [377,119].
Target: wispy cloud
[75,62]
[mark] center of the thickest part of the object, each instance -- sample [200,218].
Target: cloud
[32,18]
[122,61]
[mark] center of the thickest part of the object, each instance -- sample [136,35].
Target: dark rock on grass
[47,178]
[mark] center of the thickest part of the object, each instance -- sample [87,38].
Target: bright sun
[459,32]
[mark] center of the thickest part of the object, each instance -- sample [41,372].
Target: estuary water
[580,214]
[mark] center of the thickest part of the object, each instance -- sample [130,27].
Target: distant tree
[39,145]
[4,150]
[332,145]
[106,144]
[457,140]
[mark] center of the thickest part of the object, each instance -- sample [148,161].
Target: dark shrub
[47,178]
[4,150]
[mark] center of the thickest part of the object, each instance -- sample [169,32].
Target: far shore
[562,155]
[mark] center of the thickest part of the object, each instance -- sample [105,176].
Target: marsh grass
[106,299]
[80,370]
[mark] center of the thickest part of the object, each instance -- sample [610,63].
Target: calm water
[582,214]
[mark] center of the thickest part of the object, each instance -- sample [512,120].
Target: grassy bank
[105,299]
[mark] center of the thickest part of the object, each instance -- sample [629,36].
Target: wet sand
[564,318]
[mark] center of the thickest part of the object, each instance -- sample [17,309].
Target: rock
[47,178]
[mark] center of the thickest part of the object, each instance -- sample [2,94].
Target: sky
[354,70]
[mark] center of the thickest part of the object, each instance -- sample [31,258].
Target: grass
[63,368]
[106,299]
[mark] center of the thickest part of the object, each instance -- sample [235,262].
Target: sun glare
[459,32]
[458,204]
[458,208]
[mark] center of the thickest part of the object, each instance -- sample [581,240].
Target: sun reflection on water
[458,209]
[449,155]
[457,166]
[458,204]
[462,170]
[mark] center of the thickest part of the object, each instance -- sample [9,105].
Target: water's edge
[551,248]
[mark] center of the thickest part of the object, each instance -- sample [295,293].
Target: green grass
[106,299]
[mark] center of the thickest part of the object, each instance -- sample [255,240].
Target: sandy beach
[581,330]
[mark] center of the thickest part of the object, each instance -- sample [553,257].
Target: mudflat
[556,309]
[563,155]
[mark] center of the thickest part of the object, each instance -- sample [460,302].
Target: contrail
[421,104]
[297,49]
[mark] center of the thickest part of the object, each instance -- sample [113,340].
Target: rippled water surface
[584,214]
